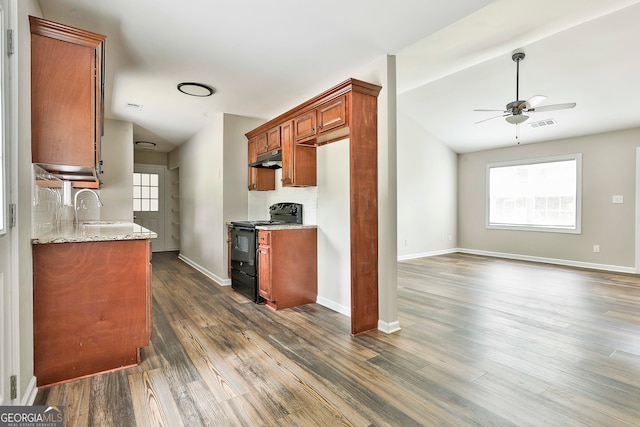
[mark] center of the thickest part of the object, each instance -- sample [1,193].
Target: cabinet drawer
[264,238]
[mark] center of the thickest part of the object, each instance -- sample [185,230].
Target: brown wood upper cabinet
[67,91]
[298,162]
[259,179]
[268,141]
[328,117]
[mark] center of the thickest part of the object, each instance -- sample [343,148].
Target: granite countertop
[284,226]
[94,231]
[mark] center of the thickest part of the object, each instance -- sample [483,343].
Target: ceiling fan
[514,110]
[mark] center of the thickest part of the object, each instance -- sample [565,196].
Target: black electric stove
[244,247]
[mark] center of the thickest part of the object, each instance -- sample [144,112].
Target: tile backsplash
[259,201]
[48,210]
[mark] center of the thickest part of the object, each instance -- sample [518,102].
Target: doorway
[156,204]
[149,201]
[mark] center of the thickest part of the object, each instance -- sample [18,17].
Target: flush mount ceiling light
[145,145]
[195,89]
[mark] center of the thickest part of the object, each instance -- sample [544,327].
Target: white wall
[116,192]
[427,192]
[334,242]
[209,182]
[608,169]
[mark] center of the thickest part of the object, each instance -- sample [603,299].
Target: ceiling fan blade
[553,107]
[491,118]
[534,100]
[504,111]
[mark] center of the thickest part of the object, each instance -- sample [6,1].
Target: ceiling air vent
[133,106]
[542,123]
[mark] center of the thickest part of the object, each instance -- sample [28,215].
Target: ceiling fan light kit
[517,119]
[513,112]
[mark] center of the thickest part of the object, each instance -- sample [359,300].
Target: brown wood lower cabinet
[288,266]
[91,307]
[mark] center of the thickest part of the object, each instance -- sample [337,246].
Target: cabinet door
[304,126]
[62,91]
[262,144]
[264,271]
[253,156]
[332,114]
[298,162]
[287,154]
[259,179]
[273,138]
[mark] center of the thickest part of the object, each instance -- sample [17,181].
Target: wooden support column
[363,152]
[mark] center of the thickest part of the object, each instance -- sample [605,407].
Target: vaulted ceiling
[263,58]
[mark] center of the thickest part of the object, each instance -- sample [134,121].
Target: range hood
[270,160]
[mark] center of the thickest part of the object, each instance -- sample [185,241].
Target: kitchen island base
[92,307]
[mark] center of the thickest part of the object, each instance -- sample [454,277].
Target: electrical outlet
[617,199]
[596,248]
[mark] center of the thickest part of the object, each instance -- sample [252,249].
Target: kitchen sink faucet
[75,201]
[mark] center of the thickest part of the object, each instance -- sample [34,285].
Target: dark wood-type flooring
[484,342]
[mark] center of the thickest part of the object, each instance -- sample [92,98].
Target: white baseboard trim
[556,261]
[427,254]
[332,305]
[389,328]
[30,393]
[219,280]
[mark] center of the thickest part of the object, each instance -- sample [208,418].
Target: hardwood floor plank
[223,381]
[110,397]
[152,400]
[601,413]
[208,410]
[75,396]
[299,378]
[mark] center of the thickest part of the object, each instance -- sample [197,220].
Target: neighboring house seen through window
[535,194]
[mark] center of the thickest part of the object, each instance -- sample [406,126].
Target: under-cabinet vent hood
[270,160]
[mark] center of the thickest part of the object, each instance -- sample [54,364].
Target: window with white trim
[536,194]
[145,192]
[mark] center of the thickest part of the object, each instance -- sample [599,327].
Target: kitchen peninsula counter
[288,226]
[94,231]
[91,299]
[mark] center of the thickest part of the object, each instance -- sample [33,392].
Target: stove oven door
[243,250]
